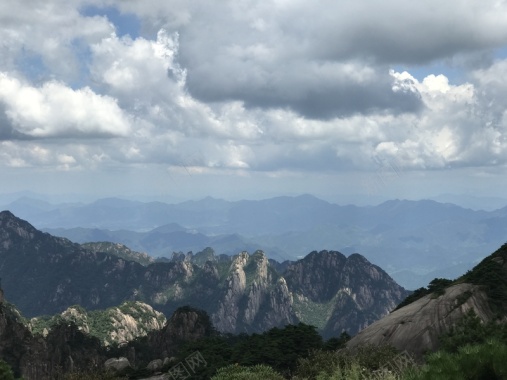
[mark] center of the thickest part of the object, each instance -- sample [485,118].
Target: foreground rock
[416,327]
[117,364]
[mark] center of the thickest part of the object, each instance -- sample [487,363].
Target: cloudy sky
[250,99]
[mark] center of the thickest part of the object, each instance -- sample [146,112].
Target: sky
[182,99]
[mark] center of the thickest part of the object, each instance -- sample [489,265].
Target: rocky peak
[349,292]
[317,275]
[185,325]
[12,228]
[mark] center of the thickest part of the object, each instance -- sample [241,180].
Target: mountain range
[44,274]
[414,241]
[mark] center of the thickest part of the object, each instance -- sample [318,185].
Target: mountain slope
[417,326]
[344,290]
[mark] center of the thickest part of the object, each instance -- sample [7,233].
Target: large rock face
[185,325]
[349,292]
[255,297]
[44,274]
[416,327]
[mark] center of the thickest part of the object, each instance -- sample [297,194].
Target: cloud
[252,88]
[55,110]
[53,32]
[321,59]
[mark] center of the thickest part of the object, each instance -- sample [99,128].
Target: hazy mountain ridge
[240,292]
[406,238]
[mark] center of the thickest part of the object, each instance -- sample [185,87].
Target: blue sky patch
[125,23]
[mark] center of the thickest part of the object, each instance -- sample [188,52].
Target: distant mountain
[120,251]
[433,311]
[164,240]
[410,239]
[473,202]
[44,274]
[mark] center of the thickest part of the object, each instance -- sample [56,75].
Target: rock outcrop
[416,327]
[187,324]
[255,297]
[67,348]
[118,324]
[117,364]
[64,349]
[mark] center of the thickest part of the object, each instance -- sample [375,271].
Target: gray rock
[117,364]
[155,365]
[416,328]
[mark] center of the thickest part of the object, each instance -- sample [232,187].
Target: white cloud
[50,32]
[55,110]
[280,88]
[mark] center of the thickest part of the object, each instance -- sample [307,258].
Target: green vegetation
[485,361]
[5,371]
[237,372]
[278,348]
[91,376]
[314,313]
[490,274]
[436,287]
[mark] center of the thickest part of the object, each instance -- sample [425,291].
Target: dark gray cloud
[313,91]
[326,59]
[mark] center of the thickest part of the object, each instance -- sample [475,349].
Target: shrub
[484,361]
[360,363]
[5,371]
[257,372]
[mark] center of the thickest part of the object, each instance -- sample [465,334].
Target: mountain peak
[12,224]
[6,214]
